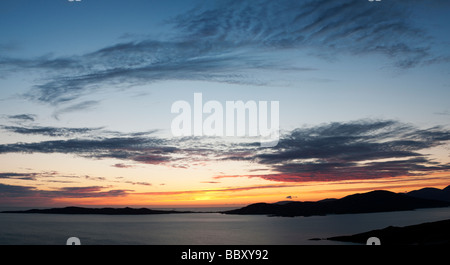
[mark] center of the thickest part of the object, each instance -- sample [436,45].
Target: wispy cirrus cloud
[84,105]
[86,132]
[143,150]
[20,176]
[57,177]
[349,26]
[121,165]
[221,40]
[362,149]
[43,177]
[22,117]
[49,131]
[98,143]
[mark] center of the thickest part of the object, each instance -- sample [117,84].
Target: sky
[86,90]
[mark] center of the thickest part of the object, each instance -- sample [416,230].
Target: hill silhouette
[432,193]
[374,201]
[105,211]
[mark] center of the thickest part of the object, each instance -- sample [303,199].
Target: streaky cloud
[49,131]
[364,149]
[22,117]
[88,104]
[361,149]
[15,191]
[221,41]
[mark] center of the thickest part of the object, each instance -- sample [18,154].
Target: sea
[200,228]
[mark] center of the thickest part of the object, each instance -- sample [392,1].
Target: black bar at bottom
[220,254]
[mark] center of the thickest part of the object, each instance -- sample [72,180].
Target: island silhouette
[104,211]
[370,202]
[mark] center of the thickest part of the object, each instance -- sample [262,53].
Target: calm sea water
[199,228]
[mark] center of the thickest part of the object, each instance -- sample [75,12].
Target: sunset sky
[86,90]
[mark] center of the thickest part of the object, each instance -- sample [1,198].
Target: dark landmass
[105,211]
[375,201]
[434,233]
[432,193]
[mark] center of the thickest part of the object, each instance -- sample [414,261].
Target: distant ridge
[374,201]
[104,211]
[432,193]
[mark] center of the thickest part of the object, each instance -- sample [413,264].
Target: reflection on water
[199,228]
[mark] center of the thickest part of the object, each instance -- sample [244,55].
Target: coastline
[430,233]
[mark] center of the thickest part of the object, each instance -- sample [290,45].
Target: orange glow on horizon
[311,191]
